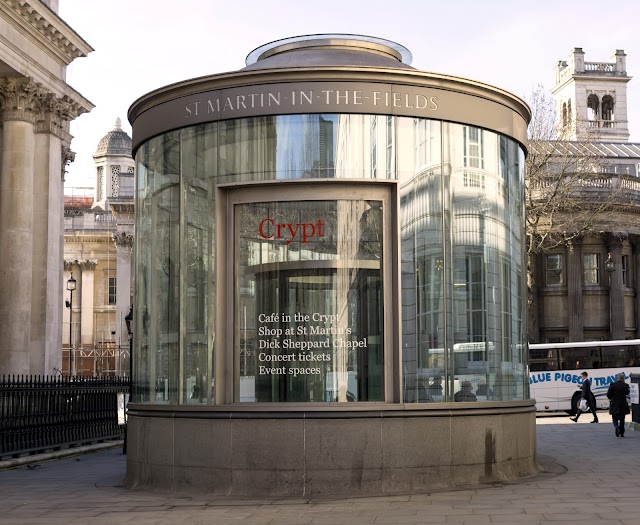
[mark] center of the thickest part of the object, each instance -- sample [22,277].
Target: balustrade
[602,67]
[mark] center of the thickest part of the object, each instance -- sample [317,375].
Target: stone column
[616,291]
[574,290]
[635,282]
[67,156]
[124,244]
[88,280]
[18,103]
[48,196]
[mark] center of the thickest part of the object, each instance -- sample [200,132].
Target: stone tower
[592,98]
[114,189]
[114,167]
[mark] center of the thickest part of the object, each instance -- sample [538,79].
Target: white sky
[142,45]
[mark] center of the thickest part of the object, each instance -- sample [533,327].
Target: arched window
[593,104]
[607,111]
[564,114]
[569,114]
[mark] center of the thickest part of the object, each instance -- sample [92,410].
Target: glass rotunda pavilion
[329,277]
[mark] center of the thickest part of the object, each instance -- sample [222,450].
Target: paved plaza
[591,477]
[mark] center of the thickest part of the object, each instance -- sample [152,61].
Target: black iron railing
[39,413]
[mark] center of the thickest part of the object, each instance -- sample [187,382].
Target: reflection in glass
[422,265]
[488,259]
[309,301]
[460,232]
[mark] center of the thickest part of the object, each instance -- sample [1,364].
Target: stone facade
[587,289]
[98,244]
[36,106]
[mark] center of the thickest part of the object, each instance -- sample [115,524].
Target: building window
[591,268]
[469,299]
[607,111]
[112,290]
[373,138]
[593,106]
[625,273]
[554,269]
[115,180]
[473,150]
[100,183]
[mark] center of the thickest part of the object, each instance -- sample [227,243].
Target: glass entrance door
[308,300]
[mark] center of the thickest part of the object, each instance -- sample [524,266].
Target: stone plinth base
[329,450]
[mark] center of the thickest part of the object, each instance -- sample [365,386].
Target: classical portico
[36,106]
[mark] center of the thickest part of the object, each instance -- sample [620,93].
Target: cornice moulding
[47,28]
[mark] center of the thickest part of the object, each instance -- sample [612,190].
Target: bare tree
[567,189]
[568,192]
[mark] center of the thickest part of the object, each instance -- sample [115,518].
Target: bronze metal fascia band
[444,98]
[327,74]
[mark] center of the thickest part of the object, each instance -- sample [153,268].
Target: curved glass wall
[459,227]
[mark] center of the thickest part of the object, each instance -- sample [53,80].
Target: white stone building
[36,106]
[98,241]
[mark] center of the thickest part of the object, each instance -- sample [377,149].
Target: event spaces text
[302,349]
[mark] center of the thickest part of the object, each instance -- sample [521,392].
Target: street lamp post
[129,320]
[71,286]
[610,267]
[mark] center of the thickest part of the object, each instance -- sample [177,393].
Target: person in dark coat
[465,393]
[588,396]
[618,406]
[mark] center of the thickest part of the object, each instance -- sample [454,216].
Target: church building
[36,107]
[587,288]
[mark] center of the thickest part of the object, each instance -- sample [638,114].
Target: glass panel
[156,325]
[196,246]
[308,296]
[488,259]
[423,315]
[305,146]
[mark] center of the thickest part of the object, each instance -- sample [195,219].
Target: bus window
[542,360]
[580,358]
[619,356]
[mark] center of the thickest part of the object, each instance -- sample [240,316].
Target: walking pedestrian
[618,406]
[588,397]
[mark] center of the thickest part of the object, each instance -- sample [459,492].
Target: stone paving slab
[592,477]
